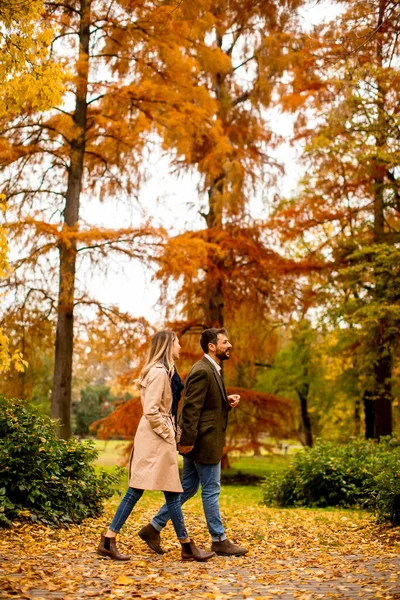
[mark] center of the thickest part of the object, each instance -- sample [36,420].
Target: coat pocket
[206,425]
[166,432]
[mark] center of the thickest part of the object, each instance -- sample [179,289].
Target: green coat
[204,415]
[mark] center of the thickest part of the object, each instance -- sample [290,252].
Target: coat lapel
[217,377]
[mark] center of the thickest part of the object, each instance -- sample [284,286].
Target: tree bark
[382,372]
[61,394]
[383,418]
[305,415]
[369,415]
[357,418]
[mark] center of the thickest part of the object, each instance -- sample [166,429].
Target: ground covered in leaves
[294,554]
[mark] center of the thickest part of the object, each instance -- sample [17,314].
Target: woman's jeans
[173,507]
[209,476]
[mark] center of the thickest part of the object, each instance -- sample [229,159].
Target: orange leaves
[256,414]
[185,255]
[122,422]
[236,259]
[129,241]
[212,60]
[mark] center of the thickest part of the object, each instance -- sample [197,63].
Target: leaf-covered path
[301,554]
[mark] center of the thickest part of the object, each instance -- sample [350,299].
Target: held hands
[184,449]
[233,400]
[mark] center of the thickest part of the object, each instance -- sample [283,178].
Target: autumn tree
[125,72]
[259,415]
[315,368]
[241,57]
[29,79]
[348,208]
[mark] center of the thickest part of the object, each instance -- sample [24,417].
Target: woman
[154,461]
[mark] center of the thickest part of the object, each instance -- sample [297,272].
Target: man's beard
[223,354]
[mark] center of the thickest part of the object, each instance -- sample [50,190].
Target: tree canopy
[308,286]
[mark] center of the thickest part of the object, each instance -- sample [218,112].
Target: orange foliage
[257,415]
[121,423]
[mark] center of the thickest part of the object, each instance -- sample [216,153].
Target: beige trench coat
[154,460]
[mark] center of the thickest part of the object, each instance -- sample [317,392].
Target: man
[203,421]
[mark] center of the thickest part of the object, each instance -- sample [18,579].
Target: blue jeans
[209,476]
[173,507]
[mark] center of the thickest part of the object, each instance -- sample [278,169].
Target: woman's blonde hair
[161,351]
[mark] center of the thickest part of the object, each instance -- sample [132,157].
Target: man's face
[223,347]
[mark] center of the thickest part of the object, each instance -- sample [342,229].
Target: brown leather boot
[191,552]
[151,536]
[227,548]
[108,547]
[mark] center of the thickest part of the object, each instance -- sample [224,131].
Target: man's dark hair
[209,336]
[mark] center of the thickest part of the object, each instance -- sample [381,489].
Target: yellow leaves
[10,359]
[4,267]
[30,81]
[332,554]
[19,363]
[124,580]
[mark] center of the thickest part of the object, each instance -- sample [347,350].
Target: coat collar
[217,376]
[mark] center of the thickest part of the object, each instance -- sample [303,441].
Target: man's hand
[233,400]
[184,449]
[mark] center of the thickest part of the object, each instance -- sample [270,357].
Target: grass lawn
[111,454]
[258,465]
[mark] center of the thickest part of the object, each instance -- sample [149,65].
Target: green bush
[43,478]
[96,401]
[384,496]
[362,474]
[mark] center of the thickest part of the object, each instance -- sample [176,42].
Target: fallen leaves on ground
[300,554]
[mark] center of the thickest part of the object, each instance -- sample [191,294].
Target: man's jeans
[209,476]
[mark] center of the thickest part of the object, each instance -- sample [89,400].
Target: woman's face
[176,348]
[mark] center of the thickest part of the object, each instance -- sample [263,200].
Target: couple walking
[200,437]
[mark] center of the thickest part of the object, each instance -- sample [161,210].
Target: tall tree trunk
[215,301]
[383,397]
[382,372]
[305,415]
[357,417]
[61,395]
[369,407]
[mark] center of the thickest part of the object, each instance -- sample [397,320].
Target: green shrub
[95,402]
[384,496]
[43,478]
[359,474]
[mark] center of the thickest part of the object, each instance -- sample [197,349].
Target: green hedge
[363,474]
[43,478]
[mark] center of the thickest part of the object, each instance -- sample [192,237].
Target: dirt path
[296,554]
